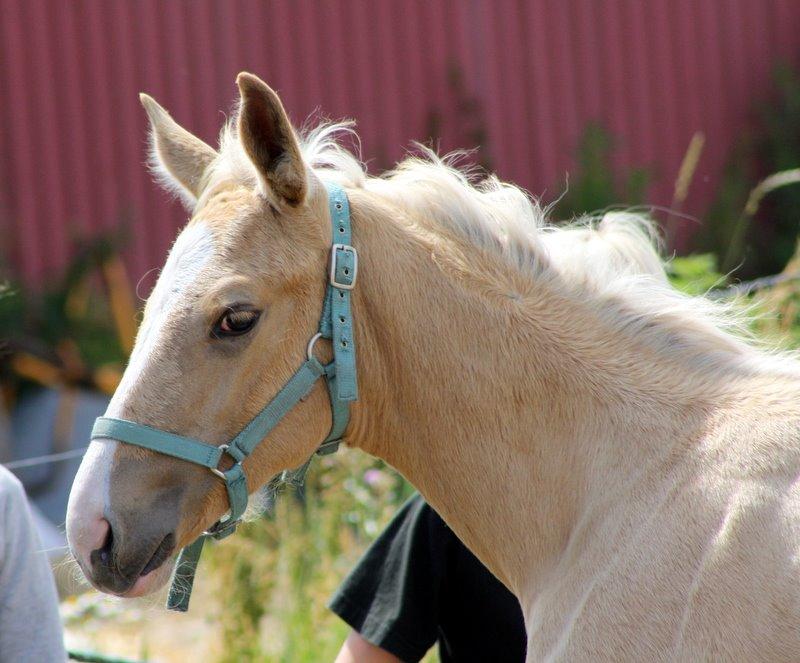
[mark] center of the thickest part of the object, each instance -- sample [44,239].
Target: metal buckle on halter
[346,248]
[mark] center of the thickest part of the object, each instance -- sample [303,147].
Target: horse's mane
[490,213]
[615,254]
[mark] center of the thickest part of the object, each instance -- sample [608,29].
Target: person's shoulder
[417,507]
[416,513]
[11,489]
[426,512]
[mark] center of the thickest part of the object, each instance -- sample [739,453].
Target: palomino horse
[610,449]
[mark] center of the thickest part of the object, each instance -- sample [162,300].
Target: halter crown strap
[336,324]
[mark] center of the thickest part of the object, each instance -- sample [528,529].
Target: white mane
[614,255]
[490,213]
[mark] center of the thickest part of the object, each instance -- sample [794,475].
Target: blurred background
[678,107]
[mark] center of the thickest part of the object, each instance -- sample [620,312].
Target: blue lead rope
[336,324]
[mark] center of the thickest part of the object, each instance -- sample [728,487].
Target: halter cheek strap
[335,324]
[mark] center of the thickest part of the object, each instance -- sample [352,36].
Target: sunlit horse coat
[611,449]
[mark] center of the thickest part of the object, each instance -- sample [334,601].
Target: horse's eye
[235,322]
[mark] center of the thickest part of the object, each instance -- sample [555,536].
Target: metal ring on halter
[311,343]
[217,471]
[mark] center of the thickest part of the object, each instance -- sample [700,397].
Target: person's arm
[358,650]
[30,625]
[392,596]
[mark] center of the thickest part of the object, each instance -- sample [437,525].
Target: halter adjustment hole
[341,230]
[338,205]
[341,319]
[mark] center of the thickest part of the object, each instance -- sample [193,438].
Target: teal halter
[336,324]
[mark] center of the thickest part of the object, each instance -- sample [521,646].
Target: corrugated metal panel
[531,75]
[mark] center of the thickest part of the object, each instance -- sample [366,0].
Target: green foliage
[771,145]
[276,575]
[775,308]
[695,274]
[779,306]
[70,309]
[596,186]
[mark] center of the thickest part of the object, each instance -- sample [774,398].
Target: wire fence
[749,287]
[43,460]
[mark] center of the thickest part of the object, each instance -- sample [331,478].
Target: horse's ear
[178,157]
[269,140]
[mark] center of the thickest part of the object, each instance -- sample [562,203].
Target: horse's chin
[152,582]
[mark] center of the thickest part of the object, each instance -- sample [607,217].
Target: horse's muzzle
[116,570]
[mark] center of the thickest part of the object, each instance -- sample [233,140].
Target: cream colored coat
[606,446]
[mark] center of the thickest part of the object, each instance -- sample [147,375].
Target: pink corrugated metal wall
[531,74]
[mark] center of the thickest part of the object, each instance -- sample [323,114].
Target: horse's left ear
[178,157]
[269,140]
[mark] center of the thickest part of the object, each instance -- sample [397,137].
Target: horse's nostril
[103,553]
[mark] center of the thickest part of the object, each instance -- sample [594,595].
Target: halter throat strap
[336,324]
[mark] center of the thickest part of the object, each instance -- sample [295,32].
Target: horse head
[224,327]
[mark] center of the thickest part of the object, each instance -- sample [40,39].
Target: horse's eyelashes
[235,321]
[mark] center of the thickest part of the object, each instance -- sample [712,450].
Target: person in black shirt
[418,584]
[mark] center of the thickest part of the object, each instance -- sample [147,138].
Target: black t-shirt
[418,583]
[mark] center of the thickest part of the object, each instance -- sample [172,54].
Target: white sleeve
[30,624]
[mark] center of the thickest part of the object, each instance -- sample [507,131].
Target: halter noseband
[335,324]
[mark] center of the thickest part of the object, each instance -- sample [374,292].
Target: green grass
[274,578]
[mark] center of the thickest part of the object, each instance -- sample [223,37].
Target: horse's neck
[509,410]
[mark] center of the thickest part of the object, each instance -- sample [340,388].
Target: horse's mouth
[161,554]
